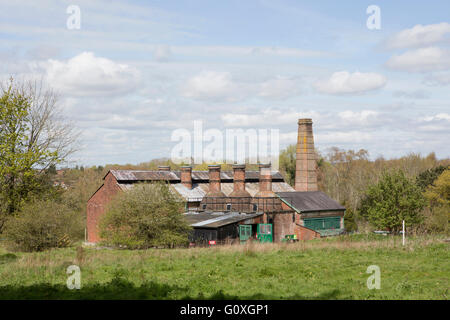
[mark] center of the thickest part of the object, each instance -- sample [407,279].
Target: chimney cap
[264,165]
[164,167]
[186,167]
[304,121]
[214,166]
[238,166]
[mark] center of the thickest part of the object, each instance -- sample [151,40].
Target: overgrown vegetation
[43,224]
[271,271]
[148,215]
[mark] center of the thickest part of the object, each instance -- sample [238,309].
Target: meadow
[333,268]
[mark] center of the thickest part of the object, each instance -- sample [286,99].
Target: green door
[245,232]
[265,233]
[323,223]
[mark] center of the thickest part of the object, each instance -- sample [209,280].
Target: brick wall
[97,204]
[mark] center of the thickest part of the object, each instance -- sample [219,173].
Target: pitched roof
[199,190]
[310,201]
[155,175]
[217,219]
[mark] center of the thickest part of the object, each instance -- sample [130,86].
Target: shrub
[146,216]
[393,199]
[349,221]
[43,224]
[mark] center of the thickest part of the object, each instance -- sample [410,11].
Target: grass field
[332,268]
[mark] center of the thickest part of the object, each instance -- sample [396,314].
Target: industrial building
[229,207]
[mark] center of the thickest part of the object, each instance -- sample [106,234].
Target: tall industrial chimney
[305,164]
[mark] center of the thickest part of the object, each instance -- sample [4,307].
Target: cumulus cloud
[220,85]
[344,82]
[279,88]
[421,60]
[420,36]
[265,118]
[209,85]
[88,75]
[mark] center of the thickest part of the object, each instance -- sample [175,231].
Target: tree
[148,215]
[427,177]
[393,199]
[33,137]
[438,198]
[287,163]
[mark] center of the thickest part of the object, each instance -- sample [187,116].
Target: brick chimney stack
[163,168]
[240,198]
[305,166]
[186,176]
[215,199]
[265,178]
[214,179]
[238,177]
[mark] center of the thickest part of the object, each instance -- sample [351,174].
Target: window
[228,206]
[204,206]
[255,207]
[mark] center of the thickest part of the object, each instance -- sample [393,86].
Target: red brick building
[218,201]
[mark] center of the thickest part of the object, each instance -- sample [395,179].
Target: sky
[136,71]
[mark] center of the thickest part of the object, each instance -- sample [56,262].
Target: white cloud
[86,74]
[344,82]
[265,118]
[220,85]
[420,36]
[211,85]
[421,60]
[279,88]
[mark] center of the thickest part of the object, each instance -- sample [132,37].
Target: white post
[403,233]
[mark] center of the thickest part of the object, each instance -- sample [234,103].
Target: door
[265,233]
[245,232]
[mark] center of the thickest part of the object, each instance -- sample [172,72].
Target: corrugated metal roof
[155,175]
[217,219]
[145,175]
[199,190]
[310,201]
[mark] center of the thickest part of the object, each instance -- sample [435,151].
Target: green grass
[332,268]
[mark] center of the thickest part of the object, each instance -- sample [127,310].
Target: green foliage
[147,215]
[350,221]
[21,151]
[427,177]
[393,199]
[438,198]
[43,224]
[287,163]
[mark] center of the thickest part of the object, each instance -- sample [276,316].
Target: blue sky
[136,71]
